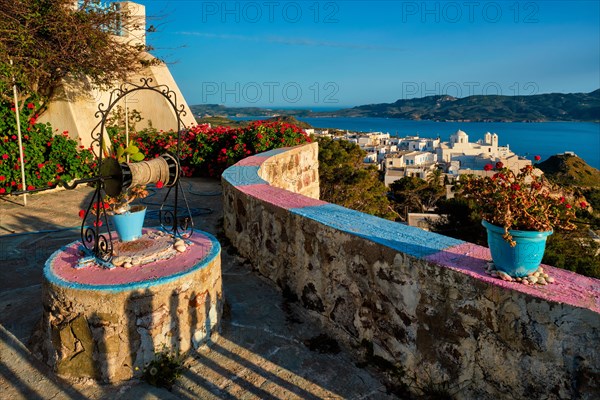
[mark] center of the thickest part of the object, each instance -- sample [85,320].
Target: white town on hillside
[415,156]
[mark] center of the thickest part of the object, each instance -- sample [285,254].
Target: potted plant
[519,211]
[127,219]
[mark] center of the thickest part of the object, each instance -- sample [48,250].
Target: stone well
[107,324]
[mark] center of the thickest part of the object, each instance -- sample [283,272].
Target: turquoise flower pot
[521,260]
[129,225]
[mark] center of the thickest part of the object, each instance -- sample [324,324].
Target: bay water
[526,139]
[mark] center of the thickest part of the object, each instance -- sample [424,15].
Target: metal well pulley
[119,177]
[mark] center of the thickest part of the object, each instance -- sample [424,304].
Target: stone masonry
[110,332]
[419,300]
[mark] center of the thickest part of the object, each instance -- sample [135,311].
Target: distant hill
[291,120]
[536,108]
[570,170]
[217,110]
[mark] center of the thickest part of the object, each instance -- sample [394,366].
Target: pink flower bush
[48,157]
[207,151]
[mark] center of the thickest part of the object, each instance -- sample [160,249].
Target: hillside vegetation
[570,170]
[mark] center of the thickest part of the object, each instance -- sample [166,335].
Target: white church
[464,157]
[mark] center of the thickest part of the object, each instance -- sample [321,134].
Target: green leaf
[120,152]
[137,157]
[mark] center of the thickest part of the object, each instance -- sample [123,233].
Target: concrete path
[260,353]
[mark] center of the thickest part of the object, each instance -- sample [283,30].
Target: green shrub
[164,370]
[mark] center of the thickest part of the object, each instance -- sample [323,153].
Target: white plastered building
[74,109]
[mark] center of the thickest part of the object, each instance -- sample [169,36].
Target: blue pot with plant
[519,210]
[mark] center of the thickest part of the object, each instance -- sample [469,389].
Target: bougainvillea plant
[208,151]
[204,150]
[518,201]
[49,156]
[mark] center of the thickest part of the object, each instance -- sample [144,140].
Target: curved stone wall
[417,299]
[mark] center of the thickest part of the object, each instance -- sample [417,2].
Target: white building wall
[74,109]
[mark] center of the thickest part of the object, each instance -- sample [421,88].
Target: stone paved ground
[260,353]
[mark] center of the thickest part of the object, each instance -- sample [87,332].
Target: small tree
[346,181]
[414,194]
[49,40]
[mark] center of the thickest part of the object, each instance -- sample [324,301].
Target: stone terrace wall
[415,298]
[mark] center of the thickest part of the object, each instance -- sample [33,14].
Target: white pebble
[525,282]
[180,248]
[127,265]
[550,279]
[542,281]
[504,276]
[541,270]
[532,279]
[536,274]
[545,276]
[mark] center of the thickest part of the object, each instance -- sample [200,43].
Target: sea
[526,139]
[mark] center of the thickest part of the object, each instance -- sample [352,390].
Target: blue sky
[346,53]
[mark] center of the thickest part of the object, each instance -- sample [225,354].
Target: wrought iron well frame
[101,244]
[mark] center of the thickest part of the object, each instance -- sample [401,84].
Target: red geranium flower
[488,167]
[499,165]
[2,190]
[159,185]
[568,206]
[583,204]
[30,187]
[537,158]
[2,178]
[81,213]
[31,106]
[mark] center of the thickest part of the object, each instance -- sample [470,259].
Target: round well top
[59,270]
